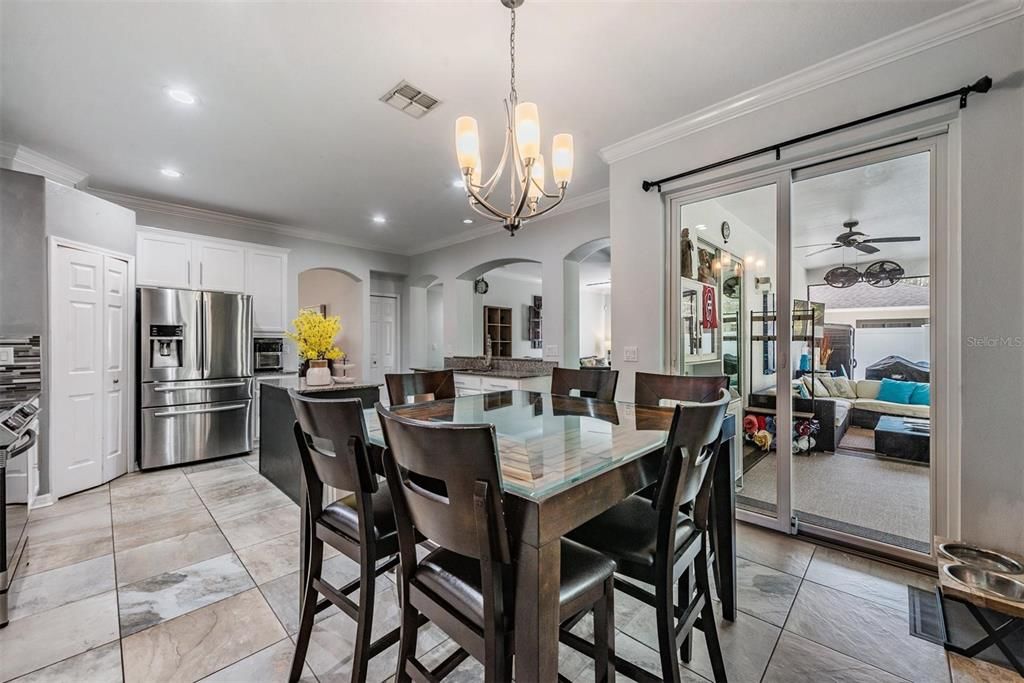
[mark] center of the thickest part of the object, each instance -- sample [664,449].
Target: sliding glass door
[816,284]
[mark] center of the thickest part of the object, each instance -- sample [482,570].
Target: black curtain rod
[982,85]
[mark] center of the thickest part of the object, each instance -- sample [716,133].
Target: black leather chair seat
[456,578]
[628,534]
[341,517]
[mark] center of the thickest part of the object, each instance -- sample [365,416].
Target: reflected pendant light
[521,155]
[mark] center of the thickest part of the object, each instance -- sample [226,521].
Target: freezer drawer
[160,394]
[179,434]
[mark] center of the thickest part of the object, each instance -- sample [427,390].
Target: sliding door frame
[937,130]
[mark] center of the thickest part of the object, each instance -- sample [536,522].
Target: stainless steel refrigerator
[195,375]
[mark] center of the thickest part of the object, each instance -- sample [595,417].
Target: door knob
[116,380]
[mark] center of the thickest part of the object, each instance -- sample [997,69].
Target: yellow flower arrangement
[314,335]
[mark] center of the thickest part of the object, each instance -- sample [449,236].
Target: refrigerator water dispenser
[165,346]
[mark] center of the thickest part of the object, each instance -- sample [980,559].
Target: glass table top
[547,443]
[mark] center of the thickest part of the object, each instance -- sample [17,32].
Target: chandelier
[522,153]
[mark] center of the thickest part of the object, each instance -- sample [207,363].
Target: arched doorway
[337,292]
[587,302]
[509,314]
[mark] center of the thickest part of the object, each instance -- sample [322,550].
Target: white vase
[318,375]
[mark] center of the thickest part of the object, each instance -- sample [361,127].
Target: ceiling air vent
[410,99]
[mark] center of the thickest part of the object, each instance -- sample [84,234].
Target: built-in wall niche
[498,331]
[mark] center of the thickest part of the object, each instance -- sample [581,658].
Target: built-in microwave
[268,353]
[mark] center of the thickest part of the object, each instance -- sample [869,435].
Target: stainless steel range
[195,375]
[16,439]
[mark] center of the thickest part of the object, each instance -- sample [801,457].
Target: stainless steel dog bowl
[986,581]
[981,558]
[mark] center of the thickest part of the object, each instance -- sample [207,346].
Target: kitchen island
[279,454]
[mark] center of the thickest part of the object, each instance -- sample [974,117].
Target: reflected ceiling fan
[851,239]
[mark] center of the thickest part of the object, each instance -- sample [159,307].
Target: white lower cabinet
[469,385]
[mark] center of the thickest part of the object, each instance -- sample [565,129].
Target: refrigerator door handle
[207,351]
[189,387]
[200,411]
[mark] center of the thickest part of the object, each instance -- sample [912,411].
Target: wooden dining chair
[653,543]
[332,441]
[591,383]
[652,388]
[467,585]
[417,387]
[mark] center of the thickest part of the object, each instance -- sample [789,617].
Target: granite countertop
[504,374]
[299,384]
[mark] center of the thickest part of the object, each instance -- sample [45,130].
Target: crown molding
[21,158]
[568,206]
[165,208]
[944,28]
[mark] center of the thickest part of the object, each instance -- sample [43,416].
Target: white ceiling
[289,127]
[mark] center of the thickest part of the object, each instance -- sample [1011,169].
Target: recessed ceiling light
[182,96]
[459,183]
[379,219]
[170,172]
[702,227]
[467,221]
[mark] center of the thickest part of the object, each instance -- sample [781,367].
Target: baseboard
[43,500]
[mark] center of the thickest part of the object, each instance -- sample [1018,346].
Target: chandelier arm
[548,208]
[524,187]
[489,186]
[549,195]
[486,215]
[483,202]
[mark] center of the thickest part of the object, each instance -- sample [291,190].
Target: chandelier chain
[513,95]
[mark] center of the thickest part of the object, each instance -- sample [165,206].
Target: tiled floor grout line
[117,590]
[782,629]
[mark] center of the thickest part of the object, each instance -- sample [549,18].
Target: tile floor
[191,574]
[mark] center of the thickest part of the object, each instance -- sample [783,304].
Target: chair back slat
[333,442]
[418,387]
[439,469]
[590,382]
[652,388]
[689,453]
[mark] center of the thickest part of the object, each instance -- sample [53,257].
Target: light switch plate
[629,353]
[6,355]
[551,351]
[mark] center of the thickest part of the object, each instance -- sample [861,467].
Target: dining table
[564,460]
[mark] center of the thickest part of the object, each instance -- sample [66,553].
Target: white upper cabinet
[165,258]
[267,280]
[218,266]
[162,260]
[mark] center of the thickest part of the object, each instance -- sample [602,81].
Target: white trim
[944,28]
[568,206]
[206,238]
[43,500]
[219,217]
[21,158]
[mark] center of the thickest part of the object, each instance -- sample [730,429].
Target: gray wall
[991,186]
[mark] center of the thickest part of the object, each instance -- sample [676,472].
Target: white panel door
[266,279]
[76,331]
[383,336]
[116,380]
[163,260]
[221,267]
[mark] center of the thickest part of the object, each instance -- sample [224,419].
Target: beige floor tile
[283,593]
[966,670]
[269,665]
[99,665]
[212,465]
[272,559]
[866,631]
[248,504]
[46,590]
[148,483]
[144,561]
[74,504]
[165,596]
[47,637]
[798,660]
[137,509]
[747,645]
[176,523]
[773,549]
[201,642]
[250,529]
[764,592]
[868,579]
[66,539]
[208,478]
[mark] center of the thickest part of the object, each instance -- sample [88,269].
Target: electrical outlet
[551,351]
[629,353]
[6,355]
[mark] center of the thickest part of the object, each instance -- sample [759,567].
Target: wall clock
[480,286]
[726,231]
